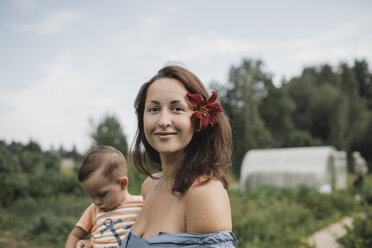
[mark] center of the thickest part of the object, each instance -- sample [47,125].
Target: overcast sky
[65,62]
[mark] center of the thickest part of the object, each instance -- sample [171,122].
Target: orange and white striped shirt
[108,229]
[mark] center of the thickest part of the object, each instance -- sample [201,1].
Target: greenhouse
[314,167]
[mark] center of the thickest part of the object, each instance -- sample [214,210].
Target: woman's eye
[153,109]
[177,109]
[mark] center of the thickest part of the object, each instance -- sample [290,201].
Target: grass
[262,217]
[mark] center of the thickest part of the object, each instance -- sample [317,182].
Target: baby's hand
[84,244]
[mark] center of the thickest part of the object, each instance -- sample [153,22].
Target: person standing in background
[360,170]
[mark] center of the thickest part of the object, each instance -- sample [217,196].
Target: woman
[186,136]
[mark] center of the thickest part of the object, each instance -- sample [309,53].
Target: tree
[364,79]
[357,106]
[32,159]
[52,161]
[240,99]
[362,142]
[8,171]
[109,132]
[332,104]
[276,110]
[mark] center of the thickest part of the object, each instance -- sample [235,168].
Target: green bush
[360,235]
[68,183]
[135,180]
[323,206]
[262,217]
[44,221]
[269,218]
[266,217]
[51,227]
[367,191]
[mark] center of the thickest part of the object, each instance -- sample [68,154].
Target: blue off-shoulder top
[163,239]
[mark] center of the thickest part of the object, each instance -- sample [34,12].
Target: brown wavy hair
[209,152]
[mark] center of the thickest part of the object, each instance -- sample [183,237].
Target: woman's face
[167,117]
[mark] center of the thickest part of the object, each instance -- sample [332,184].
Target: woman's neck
[170,163]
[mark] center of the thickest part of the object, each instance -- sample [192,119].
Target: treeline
[325,105]
[27,171]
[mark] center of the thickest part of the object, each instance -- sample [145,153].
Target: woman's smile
[165,135]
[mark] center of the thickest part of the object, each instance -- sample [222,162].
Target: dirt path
[326,237]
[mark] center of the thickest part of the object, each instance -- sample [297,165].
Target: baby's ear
[123,182]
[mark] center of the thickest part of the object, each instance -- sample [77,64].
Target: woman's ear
[123,182]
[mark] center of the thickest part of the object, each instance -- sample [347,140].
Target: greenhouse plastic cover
[292,167]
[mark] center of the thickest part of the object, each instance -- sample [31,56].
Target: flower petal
[214,108]
[213,120]
[195,99]
[196,115]
[212,98]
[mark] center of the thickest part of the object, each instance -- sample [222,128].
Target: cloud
[56,109]
[211,46]
[52,23]
[25,6]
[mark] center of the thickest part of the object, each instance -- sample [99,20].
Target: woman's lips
[165,135]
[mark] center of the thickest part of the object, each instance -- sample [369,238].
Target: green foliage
[324,105]
[322,206]
[247,85]
[366,192]
[8,176]
[49,227]
[25,170]
[265,217]
[69,183]
[109,132]
[362,141]
[52,161]
[360,235]
[364,78]
[46,221]
[276,109]
[262,217]
[135,180]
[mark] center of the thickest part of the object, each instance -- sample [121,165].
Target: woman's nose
[165,119]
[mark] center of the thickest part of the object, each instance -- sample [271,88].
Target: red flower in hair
[205,111]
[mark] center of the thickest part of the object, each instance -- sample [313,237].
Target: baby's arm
[75,235]
[84,243]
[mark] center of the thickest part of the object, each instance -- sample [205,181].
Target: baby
[104,177]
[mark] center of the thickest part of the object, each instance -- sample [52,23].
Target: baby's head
[103,176]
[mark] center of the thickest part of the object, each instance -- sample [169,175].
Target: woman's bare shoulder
[207,207]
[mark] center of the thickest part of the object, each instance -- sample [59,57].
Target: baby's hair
[110,160]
